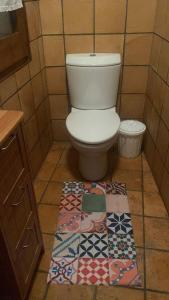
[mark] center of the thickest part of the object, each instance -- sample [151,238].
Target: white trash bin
[130,138]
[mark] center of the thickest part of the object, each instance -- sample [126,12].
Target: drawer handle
[9,143]
[26,246]
[17,204]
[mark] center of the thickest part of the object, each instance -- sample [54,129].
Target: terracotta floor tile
[46,257]
[157,270]
[69,157]
[118,293]
[63,292]
[127,164]
[59,145]
[46,170]
[133,179]
[138,230]
[135,202]
[54,155]
[156,296]
[140,264]
[39,287]
[149,184]
[48,218]
[39,187]
[154,205]
[53,193]
[64,173]
[146,167]
[156,233]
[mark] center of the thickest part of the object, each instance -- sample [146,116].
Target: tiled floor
[150,222]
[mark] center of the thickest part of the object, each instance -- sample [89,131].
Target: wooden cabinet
[20,236]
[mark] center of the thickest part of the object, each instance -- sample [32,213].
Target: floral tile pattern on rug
[70,203]
[93,271]
[73,187]
[116,188]
[117,203]
[123,272]
[93,245]
[98,188]
[69,222]
[119,223]
[93,222]
[121,246]
[66,245]
[63,270]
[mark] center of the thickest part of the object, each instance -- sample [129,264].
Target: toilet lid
[93,126]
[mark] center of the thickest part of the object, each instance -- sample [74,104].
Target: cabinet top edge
[9,119]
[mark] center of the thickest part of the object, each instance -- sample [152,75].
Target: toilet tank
[93,79]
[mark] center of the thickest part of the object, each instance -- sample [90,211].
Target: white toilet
[93,123]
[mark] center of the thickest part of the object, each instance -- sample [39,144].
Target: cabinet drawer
[16,212]
[27,255]
[12,163]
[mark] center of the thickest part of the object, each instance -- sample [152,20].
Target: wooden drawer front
[16,213]
[28,255]
[11,164]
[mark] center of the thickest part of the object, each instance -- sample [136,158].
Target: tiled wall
[71,26]
[157,103]
[27,90]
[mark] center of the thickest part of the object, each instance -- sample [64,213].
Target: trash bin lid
[132,127]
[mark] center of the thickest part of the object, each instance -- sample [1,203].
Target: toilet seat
[93,126]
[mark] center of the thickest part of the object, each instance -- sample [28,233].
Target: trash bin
[130,138]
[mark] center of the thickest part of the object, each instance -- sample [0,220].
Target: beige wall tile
[163,66]
[162,142]
[165,109]
[138,49]
[155,52]
[109,43]
[46,141]
[58,106]
[44,80]
[35,158]
[7,88]
[51,16]
[27,101]
[22,76]
[78,16]
[132,106]
[134,79]
[41,52]
[141,15]
[31,133]
[110,16]
[56,80]
[38,91]
[54,50]
[59,130]
[12,103]
[161,14]
[32,13]
[154,123]
[79,43]
[34,65]
[42,117]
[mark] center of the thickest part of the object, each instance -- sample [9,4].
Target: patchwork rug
[98,247]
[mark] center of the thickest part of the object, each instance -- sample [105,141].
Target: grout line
[94,29]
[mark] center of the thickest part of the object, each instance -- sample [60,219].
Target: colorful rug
[98,247]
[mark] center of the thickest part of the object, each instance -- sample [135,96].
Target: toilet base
[93,159]
[93,167]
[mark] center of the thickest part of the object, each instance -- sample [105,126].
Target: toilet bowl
[93,123]
[93,133]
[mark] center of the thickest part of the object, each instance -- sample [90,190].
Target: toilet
[93,122]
